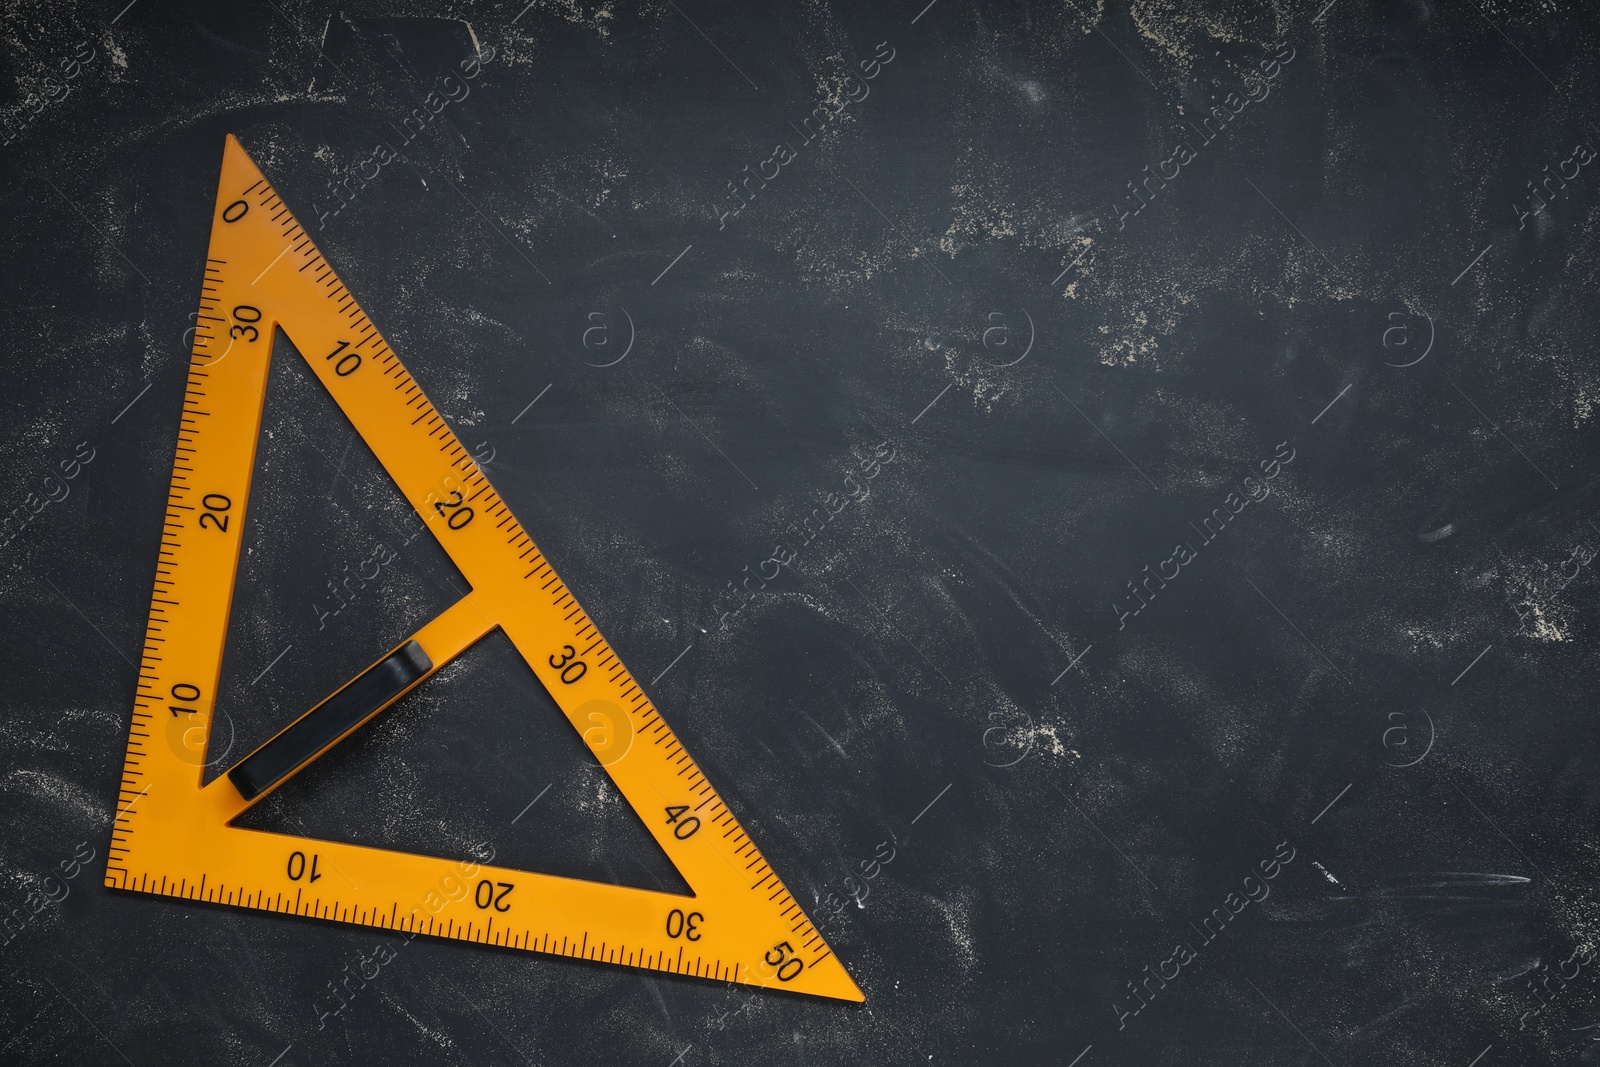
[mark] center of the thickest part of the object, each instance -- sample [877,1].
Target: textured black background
[1431,513]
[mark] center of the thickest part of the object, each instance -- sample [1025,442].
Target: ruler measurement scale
[171,835]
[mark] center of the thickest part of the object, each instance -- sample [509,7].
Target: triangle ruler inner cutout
[172,834]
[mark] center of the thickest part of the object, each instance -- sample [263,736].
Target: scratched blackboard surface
[1104,489]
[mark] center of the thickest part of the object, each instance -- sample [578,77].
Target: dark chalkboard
[1212,640]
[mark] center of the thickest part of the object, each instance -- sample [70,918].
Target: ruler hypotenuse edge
[172,835]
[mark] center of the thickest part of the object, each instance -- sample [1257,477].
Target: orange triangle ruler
[173,835]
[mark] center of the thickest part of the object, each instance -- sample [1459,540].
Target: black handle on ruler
[301,741]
